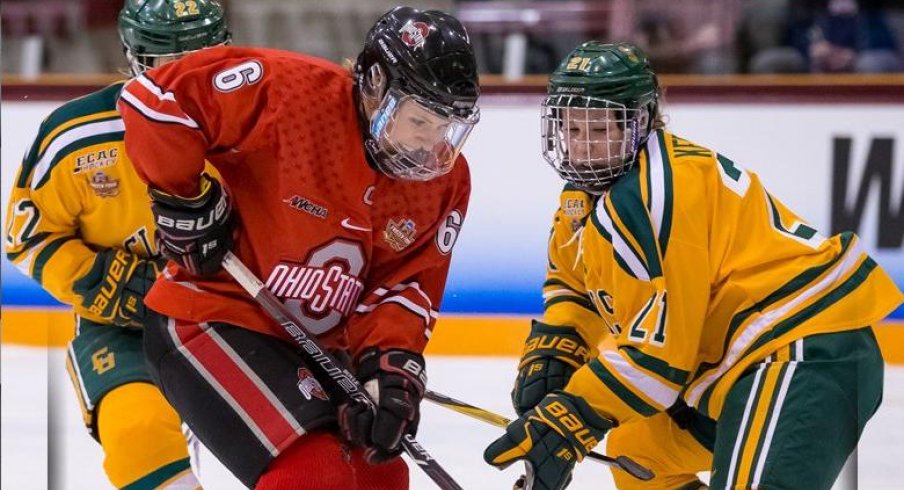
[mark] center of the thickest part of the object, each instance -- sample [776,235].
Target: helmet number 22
[188,7]
[234,78]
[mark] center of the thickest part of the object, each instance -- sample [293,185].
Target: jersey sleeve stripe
[74,138]
[31,244]
[553,293]
[624,393]
[156,115]
[560,282]
[24,264]
[154,89]
[656,365]
[73,123]
[641,382]
[414,286]
[406,303]
[850,284]
[649,373]
[581,301]
[787,289]
[767,318]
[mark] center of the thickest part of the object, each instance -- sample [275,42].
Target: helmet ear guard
[374,82]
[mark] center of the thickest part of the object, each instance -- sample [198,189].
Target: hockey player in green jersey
[740,338]
[80,224]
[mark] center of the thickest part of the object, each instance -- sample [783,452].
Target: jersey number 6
[448,232]
[231,79]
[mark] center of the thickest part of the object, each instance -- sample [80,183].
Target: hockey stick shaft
[622,462]
[331,371]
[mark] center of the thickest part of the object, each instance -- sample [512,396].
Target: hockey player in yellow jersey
[688,312]
[79,223]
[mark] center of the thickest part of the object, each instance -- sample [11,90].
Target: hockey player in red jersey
[345,193]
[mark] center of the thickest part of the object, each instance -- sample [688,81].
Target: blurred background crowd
[512,37]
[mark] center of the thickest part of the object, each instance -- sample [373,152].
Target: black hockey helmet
[422,59]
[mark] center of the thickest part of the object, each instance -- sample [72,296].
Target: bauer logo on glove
[550,439]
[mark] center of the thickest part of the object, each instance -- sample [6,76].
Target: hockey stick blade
[624,463]
[323,362]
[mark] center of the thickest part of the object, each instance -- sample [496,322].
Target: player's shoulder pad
[575,204]
[80,122]
[678,149]
[453,185]
[462,170]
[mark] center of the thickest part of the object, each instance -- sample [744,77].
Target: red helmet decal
[414,34]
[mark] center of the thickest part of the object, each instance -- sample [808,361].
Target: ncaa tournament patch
[399,234]
[103,185]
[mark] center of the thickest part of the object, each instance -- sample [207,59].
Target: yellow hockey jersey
[697,272]
[77,193]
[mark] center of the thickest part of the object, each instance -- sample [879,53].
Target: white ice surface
[44,445]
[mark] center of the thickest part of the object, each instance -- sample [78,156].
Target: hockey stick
[622,462]
[319,359]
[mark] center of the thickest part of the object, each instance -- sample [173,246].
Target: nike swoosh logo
[347,224]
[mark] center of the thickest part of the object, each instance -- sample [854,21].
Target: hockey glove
[551,355]
[551,438]
[114,287]
[195,233]
[395,380]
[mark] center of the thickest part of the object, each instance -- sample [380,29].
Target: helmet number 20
[188,7]
[231,79]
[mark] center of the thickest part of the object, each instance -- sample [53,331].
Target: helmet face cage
[591,141]
[414,138]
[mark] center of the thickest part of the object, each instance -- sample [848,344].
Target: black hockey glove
[551,355]
[195,233]
[114,287]
[396,380]
[550,439]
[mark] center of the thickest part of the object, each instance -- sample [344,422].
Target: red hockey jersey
[361,258]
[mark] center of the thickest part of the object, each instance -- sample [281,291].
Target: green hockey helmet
[602,102]
[156,30]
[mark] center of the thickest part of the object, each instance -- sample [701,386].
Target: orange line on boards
[37,327]
[454,335]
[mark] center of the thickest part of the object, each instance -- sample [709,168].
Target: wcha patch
[399,234]
[103,185]
[309,386]
[304,204]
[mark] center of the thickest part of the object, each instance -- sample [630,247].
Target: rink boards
[839,164]
[454,335]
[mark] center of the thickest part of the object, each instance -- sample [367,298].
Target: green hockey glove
[114,287]
[551,355]
[550,439]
